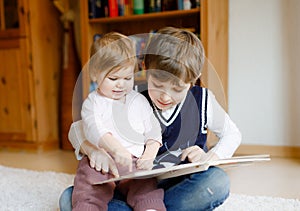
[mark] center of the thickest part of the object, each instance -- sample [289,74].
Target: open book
[182,169]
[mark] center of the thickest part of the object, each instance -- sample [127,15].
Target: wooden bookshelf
[152,16]
[210,22]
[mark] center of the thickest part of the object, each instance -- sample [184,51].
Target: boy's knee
[65,200]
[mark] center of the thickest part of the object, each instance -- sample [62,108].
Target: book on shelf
[188,168]
[115,8]
[98,8]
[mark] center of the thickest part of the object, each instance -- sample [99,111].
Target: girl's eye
[112,79]
[128,79]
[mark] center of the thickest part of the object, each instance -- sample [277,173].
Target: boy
[173,61]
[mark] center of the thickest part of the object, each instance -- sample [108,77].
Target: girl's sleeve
[219,122]
[91,114]
[151,124]
[76,137]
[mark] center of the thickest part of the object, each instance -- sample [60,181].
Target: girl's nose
[120,83]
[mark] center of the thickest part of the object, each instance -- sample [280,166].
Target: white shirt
[132,123]
[218,122]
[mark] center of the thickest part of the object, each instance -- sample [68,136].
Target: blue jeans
[199,191]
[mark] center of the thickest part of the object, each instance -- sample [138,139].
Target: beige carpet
[25,190]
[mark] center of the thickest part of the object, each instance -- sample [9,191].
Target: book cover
[138,7]
[121,7]
[113,8]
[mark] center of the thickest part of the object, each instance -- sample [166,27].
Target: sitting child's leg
[143,194]
[87,196]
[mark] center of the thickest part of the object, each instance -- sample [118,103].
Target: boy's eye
[157,85]
[178,90]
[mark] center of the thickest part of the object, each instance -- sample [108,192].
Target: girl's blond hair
[110,52]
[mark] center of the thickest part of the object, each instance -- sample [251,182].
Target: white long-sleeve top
[218,122]
[131,122]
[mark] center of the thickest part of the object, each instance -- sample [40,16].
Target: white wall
[264,70]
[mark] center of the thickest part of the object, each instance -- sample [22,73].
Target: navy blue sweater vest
[187,129]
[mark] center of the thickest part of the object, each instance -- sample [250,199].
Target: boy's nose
[164,97]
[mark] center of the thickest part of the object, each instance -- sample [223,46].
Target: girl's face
[117,83]
[166,94]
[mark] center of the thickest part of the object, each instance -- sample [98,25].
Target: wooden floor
[278,178]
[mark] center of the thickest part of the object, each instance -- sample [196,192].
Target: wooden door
[16,109]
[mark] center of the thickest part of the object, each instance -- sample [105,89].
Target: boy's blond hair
[177,53]
[110,52]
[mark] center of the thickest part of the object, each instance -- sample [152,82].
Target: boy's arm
[219,122]
[92,111]
[99,158]
[150,152]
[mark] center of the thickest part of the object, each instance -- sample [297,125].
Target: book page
[182,169]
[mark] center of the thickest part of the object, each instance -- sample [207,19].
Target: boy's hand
[123,157]
[120,154]
[193,154]
[196,154]
[103,162]
[99,159]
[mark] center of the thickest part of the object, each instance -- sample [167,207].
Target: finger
[194,156]
[98,167]
[113,170]
[92,163]
[139,164]
[197,155]
[105,168]
[130,166]
[185,153]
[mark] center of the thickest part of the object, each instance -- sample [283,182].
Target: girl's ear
[94,79]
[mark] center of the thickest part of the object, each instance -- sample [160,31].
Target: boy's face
[166,94]
[117,83]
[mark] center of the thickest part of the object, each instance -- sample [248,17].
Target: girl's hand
[144,163]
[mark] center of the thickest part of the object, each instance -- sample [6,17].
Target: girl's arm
[146,160]
[96,132]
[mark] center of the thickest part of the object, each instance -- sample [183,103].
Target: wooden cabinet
[210,21]
[30,56]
